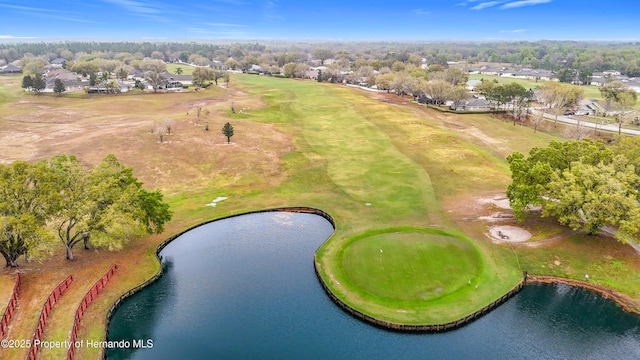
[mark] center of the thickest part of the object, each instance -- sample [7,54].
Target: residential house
[57,62]
[182,78]
[71,81]
[474,104]
[108,87]
[473,70]
[490,70]
[10,69]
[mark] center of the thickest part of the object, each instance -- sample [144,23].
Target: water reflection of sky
[244,288]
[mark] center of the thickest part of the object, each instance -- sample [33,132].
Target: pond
[245,288]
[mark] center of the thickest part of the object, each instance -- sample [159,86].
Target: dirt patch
[508,233]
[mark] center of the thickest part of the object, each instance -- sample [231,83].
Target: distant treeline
[550,55]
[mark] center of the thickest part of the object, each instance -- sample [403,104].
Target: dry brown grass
[38,127]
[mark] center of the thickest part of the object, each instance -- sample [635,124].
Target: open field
[374,161]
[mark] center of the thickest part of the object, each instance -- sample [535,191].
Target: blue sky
[328,19]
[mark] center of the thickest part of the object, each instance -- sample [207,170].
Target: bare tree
[168,124]
[201,114]
[161,131]
[560,96]
[577,132]
[537,121]
[455,76]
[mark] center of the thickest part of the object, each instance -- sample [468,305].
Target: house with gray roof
[10,69]
[474,104]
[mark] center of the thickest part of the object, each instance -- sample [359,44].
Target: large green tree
[590,197]
[519,99]
[27,82]
[38,84]
[106,204]
[583,184]
[322,54]
[202,75]
[25,207]
[58,87]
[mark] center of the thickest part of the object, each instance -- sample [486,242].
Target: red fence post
[9,311]
[88,299]
[44,314]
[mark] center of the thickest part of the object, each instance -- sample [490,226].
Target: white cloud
[26,8]
[517,4]
[16,37]
[485,5]
[467,2]
[271,12]
[232,2]
[135,6]
[421,12]
[224,25]
[48,13]
[513,31]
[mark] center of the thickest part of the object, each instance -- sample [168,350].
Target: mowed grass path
[380,184]
[361,160]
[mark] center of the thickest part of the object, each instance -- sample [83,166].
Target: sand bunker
[500,201]
[509,233]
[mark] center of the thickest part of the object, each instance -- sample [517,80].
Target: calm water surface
[244,288]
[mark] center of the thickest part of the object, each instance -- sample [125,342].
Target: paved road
[568,120]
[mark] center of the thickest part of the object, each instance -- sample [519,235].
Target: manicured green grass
[606,261]
[411,267]
[186,69]
[529,84]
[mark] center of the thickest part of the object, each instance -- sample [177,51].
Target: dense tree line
[60,199]
[583,184]
[576,57]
